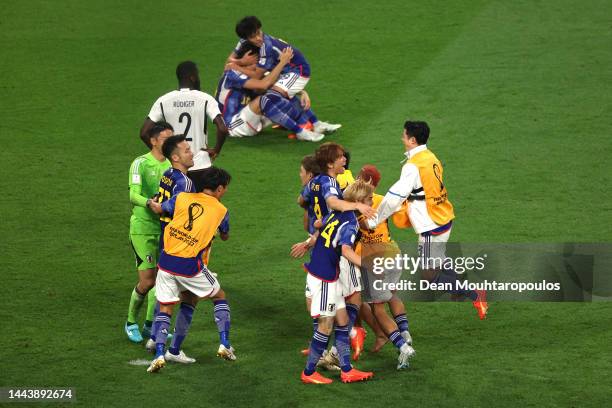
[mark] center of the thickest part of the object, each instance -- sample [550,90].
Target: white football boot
[310,136]
[226,353]
[324,127]
[180,358]
[406,352]
[156,365]
[407,337]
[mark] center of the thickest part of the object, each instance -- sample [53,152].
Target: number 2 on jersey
[186,131]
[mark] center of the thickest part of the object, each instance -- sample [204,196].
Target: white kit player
[188,110]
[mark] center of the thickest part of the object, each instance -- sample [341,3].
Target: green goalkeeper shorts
[146,250]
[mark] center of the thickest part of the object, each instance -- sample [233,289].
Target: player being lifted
[145,173]
[195,220]
[295,75]
[337,237]
[188,110]
[430,211]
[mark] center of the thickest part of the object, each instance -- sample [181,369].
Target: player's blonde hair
[358,192]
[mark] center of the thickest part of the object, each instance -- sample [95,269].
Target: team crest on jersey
[331,307]
[149,259]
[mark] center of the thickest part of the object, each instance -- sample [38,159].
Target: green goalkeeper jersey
[145,173]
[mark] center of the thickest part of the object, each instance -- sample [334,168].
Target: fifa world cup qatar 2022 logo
[195,211]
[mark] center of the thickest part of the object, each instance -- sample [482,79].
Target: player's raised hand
[286,55]
[366,210]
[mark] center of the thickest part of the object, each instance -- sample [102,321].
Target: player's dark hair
[210,178]
[328,153]
[186,69]
[347,154]
[246,48]
[247,27]
[418,130]
[170,145]
[309,163]
[155,130]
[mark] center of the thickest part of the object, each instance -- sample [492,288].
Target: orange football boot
[305,351]
[315,378]
[357,342]
[481,304]
[355,375]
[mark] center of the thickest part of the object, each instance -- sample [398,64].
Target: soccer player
[244,111]
[175,180]
[321,194]
[379,241]
[195,220]
[430,211]
[336,238]
[187,110]
[145,173]
[295,76]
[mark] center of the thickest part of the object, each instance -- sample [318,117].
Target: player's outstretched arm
[337,204]
[396,196]
[265,83]
[350,255]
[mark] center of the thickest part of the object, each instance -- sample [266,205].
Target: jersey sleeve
[224,227]
[329,188]
[348,233]
[135,183]
[183,185]
[266,57]
[168,206]
[212,108]
[396,195]
[156,114]
[236,80]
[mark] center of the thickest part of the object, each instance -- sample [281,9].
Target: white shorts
[349,278]
[433,249]
[245,123]
[168,287]
[292,83]
[326,297]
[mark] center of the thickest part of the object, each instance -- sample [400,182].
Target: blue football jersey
[318,189]
[269,55]
[339,228]
[231,95]
[171,184]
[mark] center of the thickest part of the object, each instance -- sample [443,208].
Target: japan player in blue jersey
[335,240]
[294,76]
[243,109]
[174,181]
[320,196]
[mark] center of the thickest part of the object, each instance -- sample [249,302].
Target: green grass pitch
[518,95]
